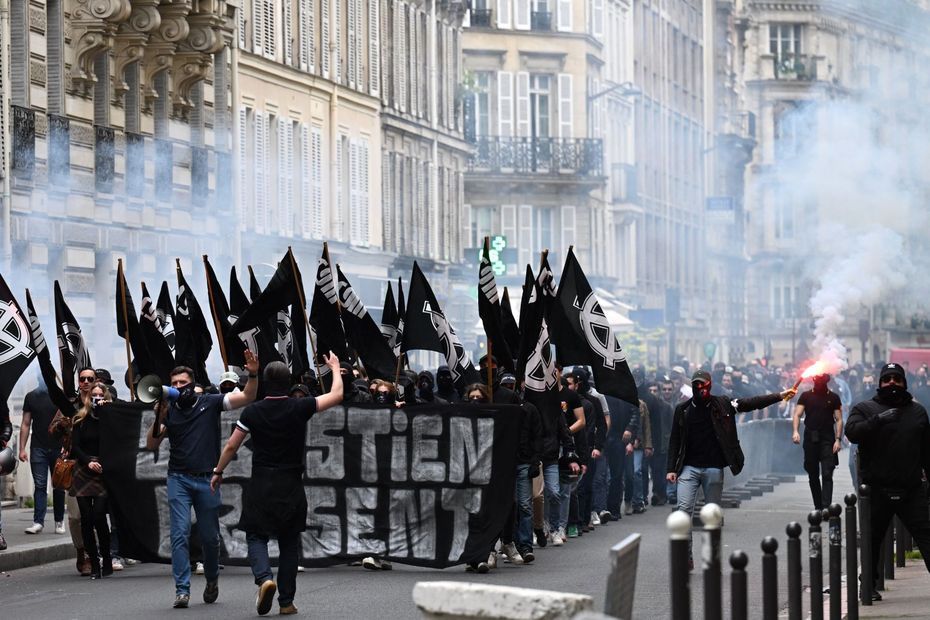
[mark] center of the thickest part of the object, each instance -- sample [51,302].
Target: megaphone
[150,390]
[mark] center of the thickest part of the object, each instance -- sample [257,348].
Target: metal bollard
[888,552]
[712,517]
[814,553]
[899,542]
[794,531]
[679,527]
[738,586]
[852,594]
[865,545]
[836,562]
[769,579]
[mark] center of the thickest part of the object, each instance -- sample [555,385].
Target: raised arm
[334,396]
[235,400]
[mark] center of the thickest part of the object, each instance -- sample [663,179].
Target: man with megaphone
[191,422]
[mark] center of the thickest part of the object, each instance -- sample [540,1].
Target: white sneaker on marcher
[555,540]
[59,527]
[198,568]
[511,554]
[492,560]
[595,520]
[562,534]
[35,528]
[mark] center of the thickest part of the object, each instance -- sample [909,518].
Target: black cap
[300,387]
[701,375]
[104,375]
[892,369]
[346,366]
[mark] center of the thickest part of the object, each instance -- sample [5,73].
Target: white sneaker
[555,540]
[198,568]
[371,563]
[511,554]
[562,533]
[35,528]
[492,560]
[59,527]
[595,520]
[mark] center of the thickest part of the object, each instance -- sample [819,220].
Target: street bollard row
[711,516]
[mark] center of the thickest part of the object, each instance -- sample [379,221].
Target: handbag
[63,472]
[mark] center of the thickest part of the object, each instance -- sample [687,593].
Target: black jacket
[595,425]
[723,416]
[529,450]
[623,417]
[6,427]
[891,455]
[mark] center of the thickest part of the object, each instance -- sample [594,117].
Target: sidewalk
[905,596]
[31,550]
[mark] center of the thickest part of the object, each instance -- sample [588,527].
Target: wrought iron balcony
[543,156]
[789,66]
[541,20]
[59,152]
[481,18]
[24,142]
[104,158]
[135,164]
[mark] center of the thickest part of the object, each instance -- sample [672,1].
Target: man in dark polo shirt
[823,430]
[275,504]
[192,424]
[38,412]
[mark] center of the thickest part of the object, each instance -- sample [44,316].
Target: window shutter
[243,167]
[402,60]
[525,243]
[468,236]
[261,134]
[240,25]
[509,227]
[359,45]
[337,233]
[523,103]
[354,230]
[387,199]
[565,105]
[521,14]
[450,81]
[285,177]
[568,226]
[565,15]
[324,38]
[336,33]
[423,245]
[503,13]
[414,66]
[363,196]
[374,47]
[306,34]
[351,43]
[306,185]
[597,19]
[268,26]
[505,102]
[316,159]
[258,28]
[288,33]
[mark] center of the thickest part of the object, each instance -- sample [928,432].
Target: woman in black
[88,481]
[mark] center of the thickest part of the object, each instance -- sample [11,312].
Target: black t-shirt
[278,426]
[195,435]
[703,449]
[42,409]
[818,410]
[569,400]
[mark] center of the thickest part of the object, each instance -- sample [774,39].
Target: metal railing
[565,156]
[800,67]
[481,18]
[541,20]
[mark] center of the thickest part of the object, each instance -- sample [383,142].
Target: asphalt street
[146,591]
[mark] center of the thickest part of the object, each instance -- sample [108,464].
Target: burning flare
[817,368]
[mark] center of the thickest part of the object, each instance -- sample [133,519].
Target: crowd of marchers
[587,460]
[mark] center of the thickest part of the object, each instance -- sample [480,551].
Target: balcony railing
[481,18]
[800,67]
[135,164]
[541,20]
[551,156]
[59,152]
[24,142]
[104,158]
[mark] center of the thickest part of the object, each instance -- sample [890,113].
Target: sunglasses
[87,379]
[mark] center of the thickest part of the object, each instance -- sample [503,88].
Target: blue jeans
[600,481]
[633,481]
[553,494]
[710,479]
[289,546]
[616,461]
[41,461]
[523,533]
[184,491]
[567,486]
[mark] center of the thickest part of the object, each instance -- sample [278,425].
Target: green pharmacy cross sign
[496,254]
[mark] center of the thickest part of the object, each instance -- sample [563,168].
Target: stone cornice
[94,25]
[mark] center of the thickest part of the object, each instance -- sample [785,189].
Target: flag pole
[216,318]
[486,252]
[122,287]
[303,308]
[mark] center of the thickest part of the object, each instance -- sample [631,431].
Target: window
[784,40]
[540,85]
[482,103]
[786,299]
[307,34]
[794,122]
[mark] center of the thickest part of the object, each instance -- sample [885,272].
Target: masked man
[823,429]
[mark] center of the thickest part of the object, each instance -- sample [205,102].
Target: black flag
[71,346]
[40,346]
[426,327]
[328,331]
[127,326]
[589,338]
[390,320]
[489,309]
[535,364]
[281,292]
[511,330]
[268,329]
[219,310]
[363,334]
[165,313]
[192,333]
[16,351]
[300,360]
[401,315]
[253,338]
[159,351]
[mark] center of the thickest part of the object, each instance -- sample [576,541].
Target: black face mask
[187,397]
[445,383]
[702,395]
[891,392]
[382,398]
[820,386]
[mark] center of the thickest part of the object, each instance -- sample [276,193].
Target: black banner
[428,486]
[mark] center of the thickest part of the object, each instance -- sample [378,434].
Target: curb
[35,554]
